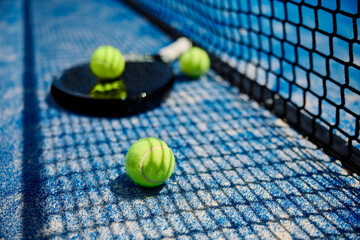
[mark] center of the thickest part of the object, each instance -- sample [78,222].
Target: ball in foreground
[149,162]
[194,62]
[107,62]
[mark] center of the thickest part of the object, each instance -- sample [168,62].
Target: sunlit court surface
[266,143]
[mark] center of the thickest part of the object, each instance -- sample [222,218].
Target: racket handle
[174,50]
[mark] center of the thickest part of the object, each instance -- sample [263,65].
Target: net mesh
[299,58]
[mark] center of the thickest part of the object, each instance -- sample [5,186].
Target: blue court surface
[241,172]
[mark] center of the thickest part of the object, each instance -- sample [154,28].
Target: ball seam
[143,160]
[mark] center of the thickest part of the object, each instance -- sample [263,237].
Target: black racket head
[144,85]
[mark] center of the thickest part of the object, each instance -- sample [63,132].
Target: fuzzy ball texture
[107,63]
[194,62]
[149,162]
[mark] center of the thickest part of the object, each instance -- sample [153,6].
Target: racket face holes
[146,77]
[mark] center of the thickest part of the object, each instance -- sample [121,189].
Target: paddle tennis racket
[145,83]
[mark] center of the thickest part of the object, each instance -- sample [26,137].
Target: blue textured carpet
[240,172]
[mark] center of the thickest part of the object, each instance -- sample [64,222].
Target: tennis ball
[194,62]
[107,62]
[149,162]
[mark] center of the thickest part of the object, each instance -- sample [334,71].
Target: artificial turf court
[241,172]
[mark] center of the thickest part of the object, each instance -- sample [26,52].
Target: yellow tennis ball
[194,62]
[107,62]
[149,162]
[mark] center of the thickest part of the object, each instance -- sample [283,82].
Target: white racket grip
[174,50]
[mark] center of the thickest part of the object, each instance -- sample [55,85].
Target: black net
[299,58]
